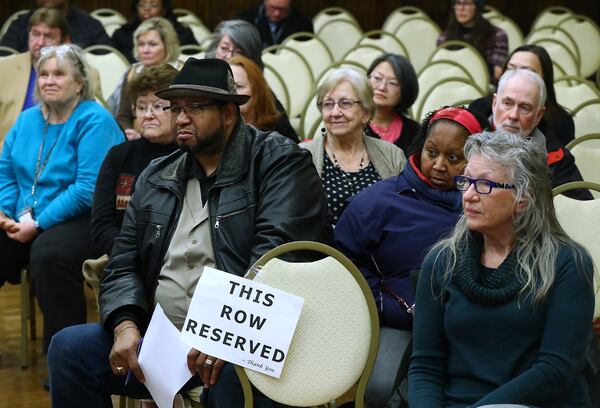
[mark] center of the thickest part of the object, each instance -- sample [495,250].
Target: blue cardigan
[396,221]
[67,183]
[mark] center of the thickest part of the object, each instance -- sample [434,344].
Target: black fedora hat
[208,78]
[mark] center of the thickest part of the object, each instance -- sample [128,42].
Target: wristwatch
[36,224]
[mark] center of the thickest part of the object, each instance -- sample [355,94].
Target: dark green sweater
[471,349]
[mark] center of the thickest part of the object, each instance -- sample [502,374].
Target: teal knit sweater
[479,343]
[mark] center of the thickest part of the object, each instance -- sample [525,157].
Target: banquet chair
[335,343]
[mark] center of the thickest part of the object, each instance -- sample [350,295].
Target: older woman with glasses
[504,306]
[124,162]
[233,38]
[48,170]
[346,159]
[395,89]
[387,229]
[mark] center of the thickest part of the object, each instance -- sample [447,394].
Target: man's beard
[211,141]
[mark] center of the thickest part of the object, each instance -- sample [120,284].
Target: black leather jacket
[267,192]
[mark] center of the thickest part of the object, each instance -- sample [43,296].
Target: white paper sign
[241,321]
[163,359]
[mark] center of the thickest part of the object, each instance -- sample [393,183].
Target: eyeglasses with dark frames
[482,186]
[190,109]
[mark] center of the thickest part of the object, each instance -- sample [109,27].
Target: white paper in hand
[163,359]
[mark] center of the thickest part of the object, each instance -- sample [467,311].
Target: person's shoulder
[81,16]
[375,196]
[91,108]
[270,141]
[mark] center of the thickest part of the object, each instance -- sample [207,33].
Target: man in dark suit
[276,20]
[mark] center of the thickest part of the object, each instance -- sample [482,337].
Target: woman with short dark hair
[395,89]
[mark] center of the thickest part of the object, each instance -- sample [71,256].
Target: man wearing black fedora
[230,194]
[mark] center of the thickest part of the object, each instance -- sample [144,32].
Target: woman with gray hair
[155,43]
[504,306]
[233,38]
[48,170]
[346,159]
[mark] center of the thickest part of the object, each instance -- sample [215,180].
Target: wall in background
[370,14]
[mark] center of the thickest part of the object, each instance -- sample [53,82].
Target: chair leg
[25,312]
[32,329]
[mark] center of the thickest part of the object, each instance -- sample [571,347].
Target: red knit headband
[461,116]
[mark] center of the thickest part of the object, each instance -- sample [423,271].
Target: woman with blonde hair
[260,110]
[155,43]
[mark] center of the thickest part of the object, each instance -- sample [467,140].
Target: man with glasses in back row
[517,108]
[230,194]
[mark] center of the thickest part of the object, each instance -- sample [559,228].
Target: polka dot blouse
[340,185]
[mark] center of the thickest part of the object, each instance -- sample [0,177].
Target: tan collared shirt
[190,250]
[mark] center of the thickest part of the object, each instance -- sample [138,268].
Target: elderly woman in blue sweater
[504,306]
[48,170]
[387,229]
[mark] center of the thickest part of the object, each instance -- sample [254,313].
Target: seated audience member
[557,123]
[276,20]
[124,162]
[240,173]
[155,43]
[466,23]
[142,10]
[504,306]
[46,27]
[395,88]
[346,159]
[48,171]
[260,110]
[233,38]
[387,229]
[518,107]
[83,29]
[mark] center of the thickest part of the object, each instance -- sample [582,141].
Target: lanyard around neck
[39,166]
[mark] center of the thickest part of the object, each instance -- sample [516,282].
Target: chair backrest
[340,35]
[580,221]
[108,16]
[199,30]
[587,118]
[385,40]
[295,72]
[310,119]
[433,72]
[336,339]
[186,16]
[512,30]
[466,55]
[561,56]
[7,51]
[277,85]
[586,34]
[315,51]
[364,54]
[571,91]
[550,16]
[490,12]
[190,50]
[448,91]
[328,14]
[586,150]
[111,65]
[10,19]
[419,35]
[397,16]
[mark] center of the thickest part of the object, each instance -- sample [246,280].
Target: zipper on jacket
[218,219]
[217,222]
[158,228]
